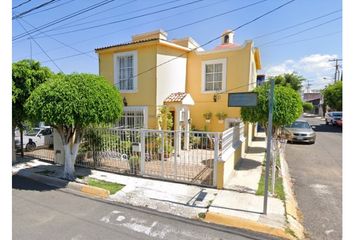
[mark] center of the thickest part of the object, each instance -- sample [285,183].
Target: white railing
[231,140]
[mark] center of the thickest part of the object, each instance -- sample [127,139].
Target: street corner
[232,221]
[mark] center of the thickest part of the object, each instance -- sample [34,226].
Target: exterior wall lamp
[125,102]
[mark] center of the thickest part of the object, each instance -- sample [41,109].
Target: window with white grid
[214,75]
[125,71]
[133,117]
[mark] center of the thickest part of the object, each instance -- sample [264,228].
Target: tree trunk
[13,146]
[71,141]
[69,167]
[21,140]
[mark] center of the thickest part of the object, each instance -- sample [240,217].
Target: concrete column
[178,131]
[187,127]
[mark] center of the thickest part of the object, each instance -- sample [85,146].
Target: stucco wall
[171,76]
[146,82]
[238,76]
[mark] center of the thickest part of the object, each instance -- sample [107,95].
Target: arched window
[226,39]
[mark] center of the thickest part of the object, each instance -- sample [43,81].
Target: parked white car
[333,117]
[36,137]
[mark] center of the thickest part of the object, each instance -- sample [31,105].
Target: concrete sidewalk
[236,206]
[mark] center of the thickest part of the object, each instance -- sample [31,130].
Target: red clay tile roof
[176,97]
[129,43]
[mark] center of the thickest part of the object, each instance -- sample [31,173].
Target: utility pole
[336,74]
[269,144]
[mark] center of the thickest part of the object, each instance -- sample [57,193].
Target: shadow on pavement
[23,183]
[44,177]
[327,128]
[258,139]
[247,164]
[255,150]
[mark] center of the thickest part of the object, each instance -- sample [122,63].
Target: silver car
[301,131]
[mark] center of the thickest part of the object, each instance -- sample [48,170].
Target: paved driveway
[317,175]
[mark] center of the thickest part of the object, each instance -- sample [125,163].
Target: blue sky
[305,49]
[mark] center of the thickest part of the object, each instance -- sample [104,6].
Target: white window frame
[144,109]
[134,54]
[223,61]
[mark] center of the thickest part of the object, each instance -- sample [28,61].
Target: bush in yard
[307,106]
[287,107]
[71,103]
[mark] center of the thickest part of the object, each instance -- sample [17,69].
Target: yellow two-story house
[151,71]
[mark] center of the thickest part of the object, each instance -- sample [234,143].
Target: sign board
[136,147]
[242,99]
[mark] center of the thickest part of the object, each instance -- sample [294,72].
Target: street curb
[60,183]
[232,221]
[293,212]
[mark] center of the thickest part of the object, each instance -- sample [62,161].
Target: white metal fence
[172,155]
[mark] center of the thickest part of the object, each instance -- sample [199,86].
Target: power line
[70,56]
[137,25]
[62,43]
[47,9]
[95,20]
[296,25]
[19,5]
[126,19]
[74,14]
[35,8]
[211,17]
[214,39]
[307,29]
[39,46]
[217,15]
[304,40]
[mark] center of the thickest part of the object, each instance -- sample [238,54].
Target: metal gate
[189,157]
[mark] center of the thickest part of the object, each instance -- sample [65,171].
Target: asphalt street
[316,170]
[43,212]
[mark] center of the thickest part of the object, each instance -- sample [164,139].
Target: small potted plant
[221,116]
[207,116]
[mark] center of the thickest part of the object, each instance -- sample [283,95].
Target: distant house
[317,101]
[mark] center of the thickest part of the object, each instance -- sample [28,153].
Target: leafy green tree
[307,106]
[333,96]
[287,107]
[70,103]
[26,76]
[292,80]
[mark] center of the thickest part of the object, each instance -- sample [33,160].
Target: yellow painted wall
[146,94]
[238,74]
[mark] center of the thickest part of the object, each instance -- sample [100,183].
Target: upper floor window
[125,71]
[214,75]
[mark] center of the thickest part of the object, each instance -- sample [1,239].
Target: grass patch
[291,232]
[110,186]
[278,188]
[201,215]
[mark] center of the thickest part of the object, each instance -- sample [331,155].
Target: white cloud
[314,68]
